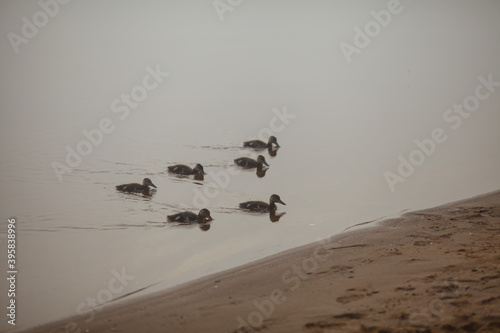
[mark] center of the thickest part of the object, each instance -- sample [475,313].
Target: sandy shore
[436,270]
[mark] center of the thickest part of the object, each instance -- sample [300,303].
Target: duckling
[186,217]
[249,163]
[260,144]
[135,187]
[261,206]
[182,169]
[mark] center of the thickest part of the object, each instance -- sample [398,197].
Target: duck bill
[281,202]
[210,218]
[153,185]
[203,172]
[265,163]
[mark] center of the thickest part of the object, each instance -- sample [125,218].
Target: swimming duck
[261,144]
[135,187]
[182,169]
[249,163]
[185,217]
[261,206]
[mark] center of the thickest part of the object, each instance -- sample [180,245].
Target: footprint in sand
[354,294]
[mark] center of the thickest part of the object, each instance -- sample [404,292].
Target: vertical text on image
[11,271]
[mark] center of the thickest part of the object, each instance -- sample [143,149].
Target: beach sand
[434,270]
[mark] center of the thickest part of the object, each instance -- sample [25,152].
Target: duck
[136,187]
[187,217]
[261,144]
[182,169]
[249,163]
[261,206]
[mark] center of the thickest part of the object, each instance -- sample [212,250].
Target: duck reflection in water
[203,226]
[273,151]
[202,219]
[261,172]
[148,193]
[275,217]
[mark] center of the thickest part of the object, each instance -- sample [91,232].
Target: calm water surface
[74,234]
[227,82]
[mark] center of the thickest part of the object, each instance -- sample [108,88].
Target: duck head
[276,198]
[262,160]
[272,139]
[199,169]
[205,213]
[148,182]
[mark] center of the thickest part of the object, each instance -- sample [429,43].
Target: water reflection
[148,193]
[275,217]
[261,172]
[204,226]
[273,151]
[198,177]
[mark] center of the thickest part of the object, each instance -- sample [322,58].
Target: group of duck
[204,214]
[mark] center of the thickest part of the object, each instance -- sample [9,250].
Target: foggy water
[265,69]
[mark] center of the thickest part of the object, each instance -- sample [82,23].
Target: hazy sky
[263,53]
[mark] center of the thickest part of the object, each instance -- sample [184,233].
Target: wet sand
[435,270]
